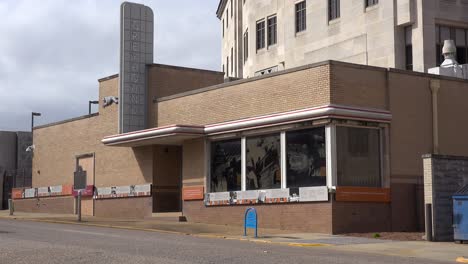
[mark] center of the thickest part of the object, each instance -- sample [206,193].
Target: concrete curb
[168,232]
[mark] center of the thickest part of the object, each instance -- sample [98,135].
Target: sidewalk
[447,252]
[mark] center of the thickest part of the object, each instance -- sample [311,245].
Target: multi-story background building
[265,36]
[15,163]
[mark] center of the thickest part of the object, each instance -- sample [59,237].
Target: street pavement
[38,242]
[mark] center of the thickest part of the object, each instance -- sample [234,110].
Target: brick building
[327,147]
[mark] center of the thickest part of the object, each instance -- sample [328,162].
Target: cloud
[53,52]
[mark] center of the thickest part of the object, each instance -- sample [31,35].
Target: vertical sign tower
[136,51]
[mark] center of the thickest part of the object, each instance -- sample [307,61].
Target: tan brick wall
[305,217]
[453,125]
[283,92]
[411,127]
[355,85]
[193,169]
[166,80]
[57,146]
[139,207]
[50,205]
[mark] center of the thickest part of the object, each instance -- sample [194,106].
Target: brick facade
[180,100]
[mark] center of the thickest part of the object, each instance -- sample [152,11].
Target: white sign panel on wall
[136,51]
[313,194]
[30,193]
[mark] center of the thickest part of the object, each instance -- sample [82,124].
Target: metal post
[10,206]
[79,206]
[429,222]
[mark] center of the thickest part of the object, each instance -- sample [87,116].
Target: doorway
[167,179]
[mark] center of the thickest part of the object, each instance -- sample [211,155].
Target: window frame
[334,9]
[272,37]
[246,45]
[257,34]
[300,15]
[370,3]
[381,144]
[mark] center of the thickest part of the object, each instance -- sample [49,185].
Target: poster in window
[263,162]
[305,158]
[226,166]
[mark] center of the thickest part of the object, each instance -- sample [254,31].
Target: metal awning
[176,134]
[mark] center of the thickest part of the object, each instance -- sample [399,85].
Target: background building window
[358,157]
[232,9]
[263,162]
[305,158]
[272,35]
[333,9]
[409,48]
[246,45]
[225,168]
[232,59]
[260,34]
[227,66]
[371,2]
[301,16]
[227,18]
[223,28]
[459,35]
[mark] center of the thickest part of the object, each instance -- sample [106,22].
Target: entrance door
[86,162]
[167,173]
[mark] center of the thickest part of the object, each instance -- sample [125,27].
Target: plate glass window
[306,158]
[301,18]
[272,35]
[263,162]
[260,34]
[358,157]
[225,166]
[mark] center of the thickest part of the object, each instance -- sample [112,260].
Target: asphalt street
[35,242]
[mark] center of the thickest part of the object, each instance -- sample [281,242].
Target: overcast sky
[53,51]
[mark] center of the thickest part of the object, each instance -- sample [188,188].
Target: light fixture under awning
[176,134]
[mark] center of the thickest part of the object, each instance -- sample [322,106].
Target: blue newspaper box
[460,215]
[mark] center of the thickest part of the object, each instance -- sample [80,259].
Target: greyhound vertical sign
[251,220]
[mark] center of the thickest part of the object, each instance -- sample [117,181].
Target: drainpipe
[435,86]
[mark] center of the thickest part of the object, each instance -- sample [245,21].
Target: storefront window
[226,166]
[305,158]
[263,162]
[358,153]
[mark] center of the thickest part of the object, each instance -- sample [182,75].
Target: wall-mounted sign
[193,193]
[30,193]
[287,195]
[86,192]
[123,191]
[17,193]
[43,191]
[313,194]
[136,50]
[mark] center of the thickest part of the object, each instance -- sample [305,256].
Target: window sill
[370,8]
[300,33]
[261,51]
[272,46]
[334,21]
